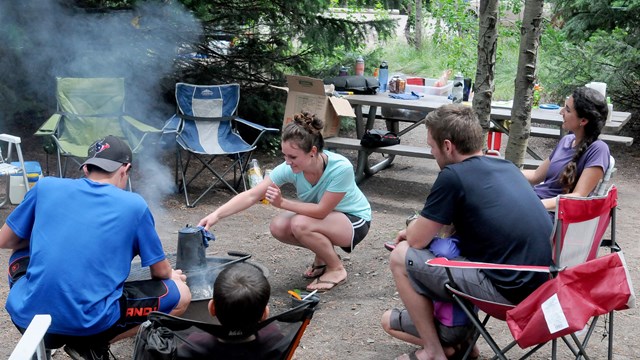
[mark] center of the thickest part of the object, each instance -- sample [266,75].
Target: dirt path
[347,323]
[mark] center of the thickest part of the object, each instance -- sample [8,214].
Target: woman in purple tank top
[579,160]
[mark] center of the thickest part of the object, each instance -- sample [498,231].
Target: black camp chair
[164,336]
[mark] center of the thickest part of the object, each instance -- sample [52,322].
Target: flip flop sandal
[390,245]
[316,271]
[333,284]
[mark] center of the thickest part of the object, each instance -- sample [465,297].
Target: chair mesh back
[582,223]
[207,128]
[205,100]
[169,337]
[603,185]
[93,107]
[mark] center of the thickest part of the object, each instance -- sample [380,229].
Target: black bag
[358,84]
[377,138]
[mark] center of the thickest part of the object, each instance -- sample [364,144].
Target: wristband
[411,218]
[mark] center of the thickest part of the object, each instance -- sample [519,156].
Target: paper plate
[549,106]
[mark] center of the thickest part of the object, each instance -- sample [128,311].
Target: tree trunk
[485,73]
[407,27]
[419,25]
[521,112]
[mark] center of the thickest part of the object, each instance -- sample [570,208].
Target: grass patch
[434,58]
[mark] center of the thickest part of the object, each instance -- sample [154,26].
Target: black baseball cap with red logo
[109,154]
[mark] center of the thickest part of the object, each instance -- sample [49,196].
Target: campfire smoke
[45,39]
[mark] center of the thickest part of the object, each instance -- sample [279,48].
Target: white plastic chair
[603,185]
[32,341]
[8,169]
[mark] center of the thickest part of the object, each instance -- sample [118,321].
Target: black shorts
[360,228]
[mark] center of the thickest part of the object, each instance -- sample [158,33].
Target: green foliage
[432,60]
[456,33]
[580,19]
[272,146]
[594,41]
[257,43]
[267,39]
[604,56]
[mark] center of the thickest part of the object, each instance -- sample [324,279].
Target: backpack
[377,138]
[367,85]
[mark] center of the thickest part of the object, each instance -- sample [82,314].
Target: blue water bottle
[383,76]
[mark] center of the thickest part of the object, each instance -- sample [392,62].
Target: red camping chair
[577,275]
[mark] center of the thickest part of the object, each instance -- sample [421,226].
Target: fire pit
[201,270]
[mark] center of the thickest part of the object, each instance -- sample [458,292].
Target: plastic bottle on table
[360,66]
[383,76]
[458,87]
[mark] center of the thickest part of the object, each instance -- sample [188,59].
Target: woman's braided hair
[305,131]
[592,106]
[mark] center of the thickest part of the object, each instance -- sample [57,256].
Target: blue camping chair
[205,128]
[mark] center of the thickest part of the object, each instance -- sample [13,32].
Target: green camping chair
[89,109]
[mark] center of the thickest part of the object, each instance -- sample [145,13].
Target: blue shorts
[138,299]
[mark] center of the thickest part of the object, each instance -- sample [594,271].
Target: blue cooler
[16,182]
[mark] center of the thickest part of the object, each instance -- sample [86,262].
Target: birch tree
[419,24]
[520,127]
[485,73]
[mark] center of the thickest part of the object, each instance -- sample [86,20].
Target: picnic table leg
[361,166]
[363,169]
[500,127]
[360,125]
[372,169]
[362,162]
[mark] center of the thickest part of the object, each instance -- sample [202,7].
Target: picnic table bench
[367,110]
[363,169]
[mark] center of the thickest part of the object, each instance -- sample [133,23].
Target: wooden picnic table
[552,117]
[367,109]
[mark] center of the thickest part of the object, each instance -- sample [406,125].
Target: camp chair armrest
[254,125]
[444,262]
[139,125]
[50,126]
[10,138]
[172,125]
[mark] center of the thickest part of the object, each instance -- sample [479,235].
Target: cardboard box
[308,94]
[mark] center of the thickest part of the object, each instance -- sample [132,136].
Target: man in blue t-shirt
[497,217]
[73,241]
